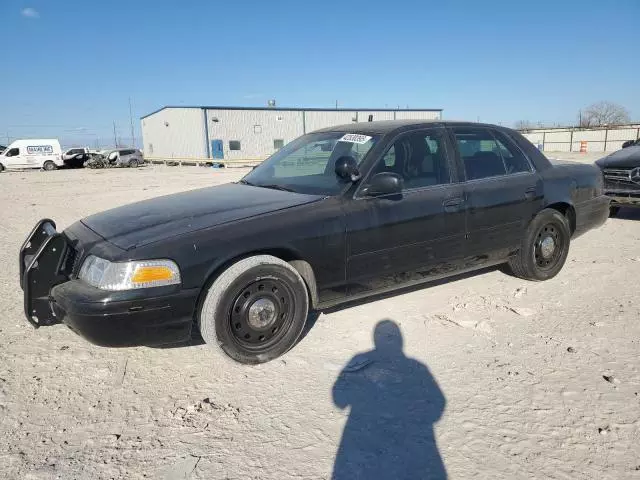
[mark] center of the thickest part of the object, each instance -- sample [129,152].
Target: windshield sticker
[355,138]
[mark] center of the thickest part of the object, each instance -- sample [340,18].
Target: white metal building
[243,133]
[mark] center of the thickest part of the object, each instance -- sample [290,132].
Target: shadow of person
[394,402]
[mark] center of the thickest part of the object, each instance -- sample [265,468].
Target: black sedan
[336,215]
[621,172]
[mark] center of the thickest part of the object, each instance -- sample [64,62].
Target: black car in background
[336,215]
[621,171]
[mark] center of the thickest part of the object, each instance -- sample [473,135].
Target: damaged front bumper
[53,294]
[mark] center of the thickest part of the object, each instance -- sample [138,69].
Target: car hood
[626,158]
[159,218]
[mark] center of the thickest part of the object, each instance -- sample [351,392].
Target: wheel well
[568,211]
[302,267]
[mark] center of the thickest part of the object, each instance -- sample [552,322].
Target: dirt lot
[509,379]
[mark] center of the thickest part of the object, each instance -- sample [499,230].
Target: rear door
[502,191]
[398,239]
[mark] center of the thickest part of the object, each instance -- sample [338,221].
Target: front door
[14,158]
[217,149]
[399,239]
[502,191]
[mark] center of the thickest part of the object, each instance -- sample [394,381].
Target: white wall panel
[174,133]
[255,129]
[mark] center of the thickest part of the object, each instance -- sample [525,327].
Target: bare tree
[603,113]
[523,125]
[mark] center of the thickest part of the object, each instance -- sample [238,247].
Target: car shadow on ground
[393,403]
[314,315]
[626,213]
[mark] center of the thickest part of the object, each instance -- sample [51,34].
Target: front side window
[14,152]
[479,152]
[306,165]
[234,145]
[419,158]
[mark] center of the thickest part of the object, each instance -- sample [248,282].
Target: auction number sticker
[355,138]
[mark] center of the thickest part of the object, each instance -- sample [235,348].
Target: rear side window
[479,152]
[514,159]
[127,152]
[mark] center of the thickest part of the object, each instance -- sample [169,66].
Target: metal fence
[601,139]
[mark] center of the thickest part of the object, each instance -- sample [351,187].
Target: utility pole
[115,138]
[336,104]
[133,136]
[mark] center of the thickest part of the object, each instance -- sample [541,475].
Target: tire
[534,260]
[1,168]
[255,311]
[49,166]
[613,211]
[133,163]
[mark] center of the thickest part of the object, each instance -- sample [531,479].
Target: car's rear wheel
[545,247]
[613,211]
[133,163]
[49,166]
[255,310]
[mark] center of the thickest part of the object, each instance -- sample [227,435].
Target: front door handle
[530,192]
[453,204]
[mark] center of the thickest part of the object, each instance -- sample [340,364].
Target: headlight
[108,275]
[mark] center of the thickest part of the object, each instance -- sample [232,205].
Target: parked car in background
[75,157]
[34,153]
[621,171]
[307,229]
[2,148]
[631,143]
[122,157]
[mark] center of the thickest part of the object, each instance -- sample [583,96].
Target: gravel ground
[499,378]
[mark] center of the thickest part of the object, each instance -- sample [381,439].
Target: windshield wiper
[244,182]
[277,187]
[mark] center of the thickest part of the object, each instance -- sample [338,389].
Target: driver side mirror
[346,168]
[385,183]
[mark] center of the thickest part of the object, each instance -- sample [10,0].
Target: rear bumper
[591,214]
[155,316]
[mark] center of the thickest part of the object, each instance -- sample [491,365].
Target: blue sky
[70,66]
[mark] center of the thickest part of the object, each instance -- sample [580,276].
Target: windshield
[306,165]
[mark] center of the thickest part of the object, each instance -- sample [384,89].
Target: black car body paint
[346,246]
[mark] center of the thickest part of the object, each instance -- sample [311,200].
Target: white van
[36,153]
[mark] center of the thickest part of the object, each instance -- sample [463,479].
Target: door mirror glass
[385,183]
[346,168]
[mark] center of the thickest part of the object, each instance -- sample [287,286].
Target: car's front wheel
[1,168]
[545,247]
[255,310]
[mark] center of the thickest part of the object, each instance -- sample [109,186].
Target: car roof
[388,126]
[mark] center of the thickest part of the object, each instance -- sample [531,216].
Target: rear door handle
[530,192]
[453,204]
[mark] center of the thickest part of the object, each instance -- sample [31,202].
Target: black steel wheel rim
[274,319]
[547,235]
